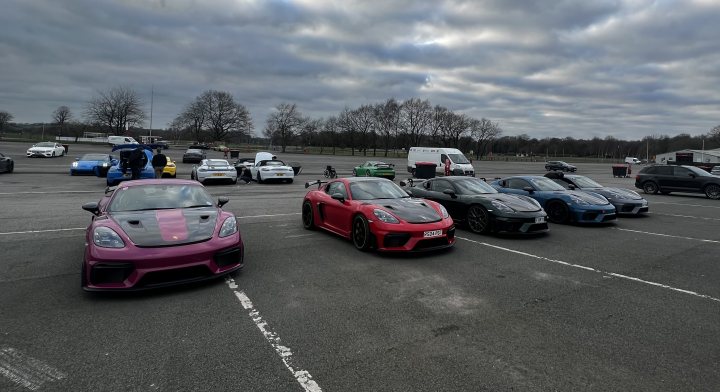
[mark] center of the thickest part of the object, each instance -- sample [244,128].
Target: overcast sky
[579,68]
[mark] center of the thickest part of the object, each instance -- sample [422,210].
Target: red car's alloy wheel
[307,215]
[361,233]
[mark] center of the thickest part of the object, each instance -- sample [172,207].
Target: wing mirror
[77,158]
[692,175]
[339,197]
[92,207]
[450,192]
[572,187]
[403,183]
[528,189]
[222,200]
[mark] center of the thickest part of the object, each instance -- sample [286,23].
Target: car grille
[110,273]
[177,275]
[228,257]
[609,217]
[432,243]
[395,240]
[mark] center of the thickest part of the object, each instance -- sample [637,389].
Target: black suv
[559,165]
[671,178]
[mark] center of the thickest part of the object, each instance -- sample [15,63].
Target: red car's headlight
[385,216]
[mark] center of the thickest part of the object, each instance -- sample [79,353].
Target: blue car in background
[562,205]
[96,164]
[120,172]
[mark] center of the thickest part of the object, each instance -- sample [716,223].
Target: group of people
[134,161]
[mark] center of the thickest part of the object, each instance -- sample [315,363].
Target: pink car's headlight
[229,227]
[105,237]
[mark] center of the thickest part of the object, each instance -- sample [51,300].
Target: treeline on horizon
[382,127]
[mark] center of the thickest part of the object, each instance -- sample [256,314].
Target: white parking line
[83,228]
[25,370]
[685,216]
[567,264]
[683,204]
[668,235]
[41,231]
[286,355]
[47,193]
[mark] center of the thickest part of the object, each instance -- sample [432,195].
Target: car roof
[159,181]
[363,179]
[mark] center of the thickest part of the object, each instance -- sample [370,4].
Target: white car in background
[268,168]
[46,149]
[214,170]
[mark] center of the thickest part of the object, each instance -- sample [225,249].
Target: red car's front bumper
[412,237]
[133,268]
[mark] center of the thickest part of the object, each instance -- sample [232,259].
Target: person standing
[135,161]
[159,162]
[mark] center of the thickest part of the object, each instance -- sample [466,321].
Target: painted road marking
[42,231]
[668,235]
[25,370]
[302,376]
[685,216]
[46,193]
[683,204]
[83,228]
[590,269]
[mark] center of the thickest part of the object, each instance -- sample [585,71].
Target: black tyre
[557,212]
[650,187]
[354,173]
[11,168]
[290,181]
[83,275]
[712,191]
[72,173]
[259,179]
[192,176]
[361,236]
[53,154]
[478,219]
[308,218]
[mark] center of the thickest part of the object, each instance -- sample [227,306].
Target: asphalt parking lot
[633,305]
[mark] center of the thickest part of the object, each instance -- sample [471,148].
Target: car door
[437,188]
[335,213]
[665,177]
[684,179]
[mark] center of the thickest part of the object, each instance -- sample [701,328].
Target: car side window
[517,183]
[427,184]
[441,185]
[681,172]
[443,158]
[336,187]
[664,170]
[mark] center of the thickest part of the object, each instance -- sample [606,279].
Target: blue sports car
[562,205]
[121,170]
[93,163]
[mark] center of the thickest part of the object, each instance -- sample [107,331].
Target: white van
[437,155]
[632,160]
[115,140]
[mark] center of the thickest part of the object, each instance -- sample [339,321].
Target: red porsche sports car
[151,233]
[376,213]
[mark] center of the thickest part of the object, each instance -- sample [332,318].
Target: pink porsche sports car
[152,233]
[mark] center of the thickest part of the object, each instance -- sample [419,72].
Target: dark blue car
[121,172]
[562,205]
[96,164]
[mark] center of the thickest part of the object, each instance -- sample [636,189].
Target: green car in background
[375,169]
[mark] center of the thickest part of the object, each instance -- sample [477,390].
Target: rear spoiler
[144,146]
[317,182]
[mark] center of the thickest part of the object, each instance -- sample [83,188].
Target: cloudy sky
[578,68]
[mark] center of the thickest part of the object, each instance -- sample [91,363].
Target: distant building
[689,157]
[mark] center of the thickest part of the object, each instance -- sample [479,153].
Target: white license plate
[432,233]
[539,219]
[218,174]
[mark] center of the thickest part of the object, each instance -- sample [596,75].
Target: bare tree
[387,116]
[192,119]
[309,131]
[714,134]
[362,121]
[484,132]
[283,124]
[330,128]
[62,116]
[5,119]
[454,127]
[415,116]
[116,109]
[223,116]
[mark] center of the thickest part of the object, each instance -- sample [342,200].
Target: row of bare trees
[214,114]
[388,125]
